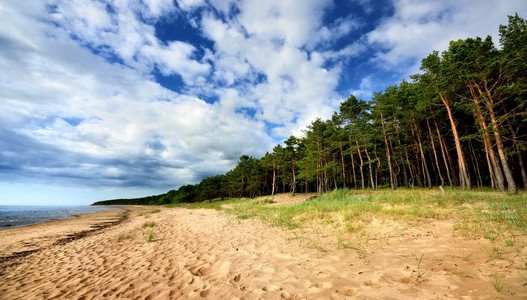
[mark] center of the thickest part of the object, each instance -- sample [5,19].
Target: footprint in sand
[372,283]
[200,270]
[289,296]
[204,293]
[323,285]
[271,288]
[347,291]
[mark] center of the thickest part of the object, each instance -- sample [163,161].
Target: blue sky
[128,98]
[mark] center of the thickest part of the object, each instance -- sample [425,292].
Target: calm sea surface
[20,215]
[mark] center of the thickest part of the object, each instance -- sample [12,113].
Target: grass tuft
[150,237]
[149,224]
[123,236]
[498,285]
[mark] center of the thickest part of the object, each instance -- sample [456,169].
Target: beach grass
[477,213]
[124,236]
[149,224]
[150,237]
[149,213]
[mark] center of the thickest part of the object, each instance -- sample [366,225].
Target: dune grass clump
[149,224]
[150,236]
[124,236]
[149,213]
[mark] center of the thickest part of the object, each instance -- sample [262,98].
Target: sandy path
[207,254]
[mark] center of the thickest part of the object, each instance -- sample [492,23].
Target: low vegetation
[149,224]
[477,214]
[124,236]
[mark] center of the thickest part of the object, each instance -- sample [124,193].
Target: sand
[196,254]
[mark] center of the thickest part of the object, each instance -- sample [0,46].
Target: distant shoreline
[15,216]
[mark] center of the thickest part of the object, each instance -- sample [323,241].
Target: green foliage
[149,224]
[123,236]
[150,237]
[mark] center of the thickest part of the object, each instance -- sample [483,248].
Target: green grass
[477,213]
[150,212]
[216,204]
[498,285]
[149,224]
[123,236]
[150,237]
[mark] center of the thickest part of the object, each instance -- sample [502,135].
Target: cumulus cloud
[119,34]
[419,27]
[271,46]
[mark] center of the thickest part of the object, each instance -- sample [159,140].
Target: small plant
[509,242]
[150,237]
[463,255]
[495,253]
[123,236]
[266,201]
[418,274]
[149,224]
[150,212]
[498,285]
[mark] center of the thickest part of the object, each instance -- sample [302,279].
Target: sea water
[20,215]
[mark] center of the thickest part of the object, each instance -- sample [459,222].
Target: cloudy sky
[128,98]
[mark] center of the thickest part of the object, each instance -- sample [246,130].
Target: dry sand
[208,254]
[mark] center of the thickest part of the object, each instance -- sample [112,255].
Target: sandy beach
[177,253]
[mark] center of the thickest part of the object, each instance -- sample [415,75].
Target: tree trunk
[402,149]
[443,155]
[464,177]
[372,182]
[517,147]
[426,173]
[475,165]
[409,167]
[361,165]
[388,156]
[273,188]
[343,166]
[293,184]
[352,165]
[435,153]
[498,175]
[511,184]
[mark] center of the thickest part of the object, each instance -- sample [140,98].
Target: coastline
[13,216]
[20,241]
[177,253]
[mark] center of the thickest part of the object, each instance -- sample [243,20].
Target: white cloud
[419,27]
[121,33]
[158,8]
[289,87]
[175,58]
[366,88]
[190,4]
[282,20]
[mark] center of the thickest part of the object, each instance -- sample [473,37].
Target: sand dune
[208,254]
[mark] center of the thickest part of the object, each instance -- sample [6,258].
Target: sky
[130,98]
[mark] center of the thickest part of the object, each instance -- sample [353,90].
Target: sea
[21,215]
